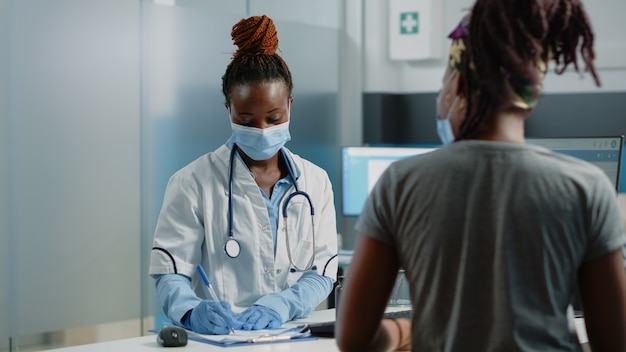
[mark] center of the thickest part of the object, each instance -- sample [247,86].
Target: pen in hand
[205,279]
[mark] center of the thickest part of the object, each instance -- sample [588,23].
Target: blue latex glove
[211,317]
[259,317]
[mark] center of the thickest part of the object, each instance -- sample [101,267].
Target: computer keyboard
[327,329]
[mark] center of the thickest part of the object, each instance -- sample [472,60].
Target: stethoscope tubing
[234,243]
[230,191]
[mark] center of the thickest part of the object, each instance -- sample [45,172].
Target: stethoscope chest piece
[232,248]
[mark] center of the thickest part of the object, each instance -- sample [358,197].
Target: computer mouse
[172,336]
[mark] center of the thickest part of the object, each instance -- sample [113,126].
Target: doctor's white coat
[193,228]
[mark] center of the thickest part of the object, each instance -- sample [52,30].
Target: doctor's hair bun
[255,36]
[257,59]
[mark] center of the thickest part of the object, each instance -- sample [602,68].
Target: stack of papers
[242,337]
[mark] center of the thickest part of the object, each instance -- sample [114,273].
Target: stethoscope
[232,248]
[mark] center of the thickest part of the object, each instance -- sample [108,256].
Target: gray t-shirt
[491,236]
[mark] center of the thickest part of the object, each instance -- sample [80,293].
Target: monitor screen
[604,152]
[362,166]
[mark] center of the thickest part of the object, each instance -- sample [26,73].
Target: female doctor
[259,219]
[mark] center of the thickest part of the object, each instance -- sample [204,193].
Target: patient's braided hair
[508,44]
[256,59]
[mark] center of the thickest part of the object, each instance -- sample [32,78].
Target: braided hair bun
[255,36]
[256,59]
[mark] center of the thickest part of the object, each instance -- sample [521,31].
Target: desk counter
[148,343]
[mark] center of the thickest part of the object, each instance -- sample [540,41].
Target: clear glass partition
[69,127]
[185,51]
[100,102]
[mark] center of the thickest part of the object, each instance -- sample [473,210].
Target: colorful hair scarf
[522,94]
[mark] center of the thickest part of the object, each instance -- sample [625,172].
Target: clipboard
[249,337]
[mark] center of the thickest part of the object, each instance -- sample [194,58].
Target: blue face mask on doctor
[259,143]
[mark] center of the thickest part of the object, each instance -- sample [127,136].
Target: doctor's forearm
[176,295]
[300,299]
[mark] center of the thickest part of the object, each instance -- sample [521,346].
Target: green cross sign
[409,22]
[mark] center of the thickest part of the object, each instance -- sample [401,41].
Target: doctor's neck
[263,164]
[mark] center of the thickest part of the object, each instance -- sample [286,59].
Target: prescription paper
[254,336]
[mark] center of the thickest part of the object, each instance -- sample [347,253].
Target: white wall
[4,173]
[384,75]
[351,75]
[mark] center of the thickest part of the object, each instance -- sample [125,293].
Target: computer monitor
[362,166]
[604,152]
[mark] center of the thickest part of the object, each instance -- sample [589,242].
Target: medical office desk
[148,343]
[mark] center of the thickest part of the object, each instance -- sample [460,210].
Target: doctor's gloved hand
[259,317]
[211,317]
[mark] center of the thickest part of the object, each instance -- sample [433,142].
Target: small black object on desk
[172,336]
